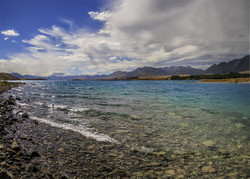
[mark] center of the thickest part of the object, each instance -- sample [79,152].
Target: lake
[150,115]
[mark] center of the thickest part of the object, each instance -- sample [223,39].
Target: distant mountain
[59,77]
[75,77]
[7,76]
[117,74]
[182,70]
[150,72]
[26,76]
[237,65]
[17,75]
[32,77]
[146,72]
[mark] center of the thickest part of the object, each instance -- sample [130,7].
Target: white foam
[39,103]
[80,129]
[57,106]
[22,104]
[76,109]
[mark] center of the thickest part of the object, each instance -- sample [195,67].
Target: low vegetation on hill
[6,76]
[5,86]
[214,76]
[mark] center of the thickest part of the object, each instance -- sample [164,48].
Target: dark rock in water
[25,115]
[19,99]
[34,169]
[10,102]
[35,154]
[5,175]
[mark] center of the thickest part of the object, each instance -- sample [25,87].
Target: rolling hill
[6,76]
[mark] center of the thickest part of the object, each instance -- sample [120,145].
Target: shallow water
[150,115]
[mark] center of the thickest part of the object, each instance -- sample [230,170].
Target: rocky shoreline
[29,149]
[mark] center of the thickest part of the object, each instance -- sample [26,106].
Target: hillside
[117,74]
[183,70]
[156,72]
[237,65]
[6,76]
[146,71]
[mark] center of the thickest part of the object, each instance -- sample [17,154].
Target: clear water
[175,115]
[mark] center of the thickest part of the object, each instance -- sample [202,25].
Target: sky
[89,37]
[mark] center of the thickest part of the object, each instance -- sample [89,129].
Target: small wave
[79,129]
[68,108]
[18,89]
[22,104]
[39,103]
[57,106]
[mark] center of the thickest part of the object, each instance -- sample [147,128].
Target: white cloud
[148,32]
[54,32]
[112,58]
[69,22]
[40,42]
[10,32]
[101,16]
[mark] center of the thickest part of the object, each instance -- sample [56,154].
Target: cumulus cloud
[142,33]
[10,32]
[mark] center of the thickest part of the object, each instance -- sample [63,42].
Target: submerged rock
[170,172]
[134,117]
[60,150]
[121,131]
[117,172]
[1,146]
[208,169]
[209,143]
[137,174]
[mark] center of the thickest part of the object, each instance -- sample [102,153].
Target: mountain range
[237,65]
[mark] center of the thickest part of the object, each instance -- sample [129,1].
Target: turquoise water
[170,115]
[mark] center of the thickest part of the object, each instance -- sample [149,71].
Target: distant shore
[228,80]
[185,77]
